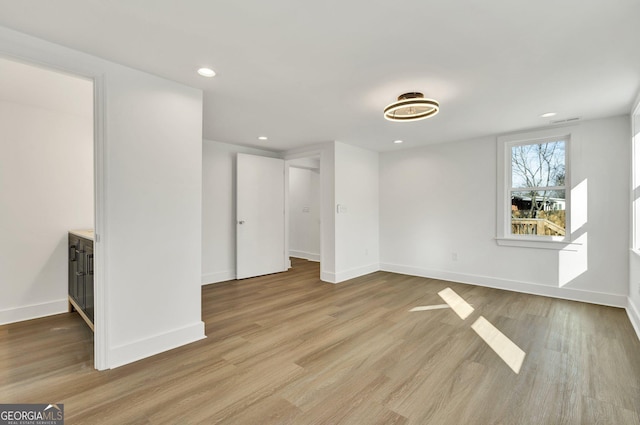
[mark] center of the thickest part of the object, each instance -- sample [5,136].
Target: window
[537,190]
[534,189]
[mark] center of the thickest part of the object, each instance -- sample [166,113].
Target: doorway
[46,184]
[304,200]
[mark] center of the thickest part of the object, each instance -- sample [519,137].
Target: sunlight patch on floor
[455,301]
[508,351]
[430,307]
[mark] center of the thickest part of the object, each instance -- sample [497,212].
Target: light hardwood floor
[289,349]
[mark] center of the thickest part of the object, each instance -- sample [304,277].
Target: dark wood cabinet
[81,276]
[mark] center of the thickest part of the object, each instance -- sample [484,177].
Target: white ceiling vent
[565,120]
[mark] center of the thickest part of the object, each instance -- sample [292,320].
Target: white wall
[219,209]
[349,241]
[304,213]
[633,308]
[357,222]
[46,189]
[437,218]
[148,211]
[154,200]
[328,212]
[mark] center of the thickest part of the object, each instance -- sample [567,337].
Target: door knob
[241,222]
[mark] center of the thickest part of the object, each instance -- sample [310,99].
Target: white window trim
[504,236]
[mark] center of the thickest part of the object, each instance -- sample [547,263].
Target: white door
[259,216]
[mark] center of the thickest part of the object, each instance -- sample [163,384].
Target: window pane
[538,165]
[538,212]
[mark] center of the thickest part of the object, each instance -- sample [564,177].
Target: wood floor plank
[290,349]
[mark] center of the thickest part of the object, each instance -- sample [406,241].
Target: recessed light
[262,138]
[397,142]
[548,114]
[207,72]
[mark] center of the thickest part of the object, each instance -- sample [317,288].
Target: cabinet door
[80,275]
[88,279]
[76,267]
[73,263]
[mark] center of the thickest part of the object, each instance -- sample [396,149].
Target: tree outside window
[538,191]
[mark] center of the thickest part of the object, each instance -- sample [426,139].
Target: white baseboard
[305,255]
[147,347]
[328,277]
[356,272]
[35,311]
[634,316]
[216,277]
[348,274]
[572,294]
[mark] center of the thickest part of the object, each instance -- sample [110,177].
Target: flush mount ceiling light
[411,107]
[548,114]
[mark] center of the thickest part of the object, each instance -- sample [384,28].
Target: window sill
[539,244]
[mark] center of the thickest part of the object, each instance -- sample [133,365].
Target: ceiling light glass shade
[411,107]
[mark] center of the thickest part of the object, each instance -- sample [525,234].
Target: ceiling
[305,72]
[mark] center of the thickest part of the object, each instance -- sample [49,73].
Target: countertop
[84,233]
